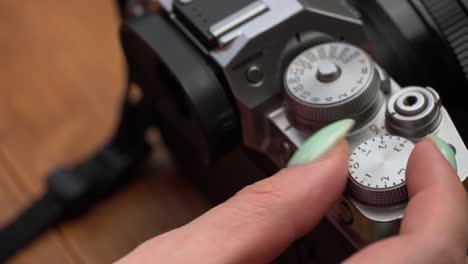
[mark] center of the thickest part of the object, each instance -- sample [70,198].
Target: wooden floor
[61,79]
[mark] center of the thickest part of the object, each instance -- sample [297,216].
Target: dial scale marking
[380,163]
[356,71]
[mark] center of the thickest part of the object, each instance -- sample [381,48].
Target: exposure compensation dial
[377,170]
[329,82]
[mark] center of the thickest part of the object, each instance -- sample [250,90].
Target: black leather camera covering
[188,95]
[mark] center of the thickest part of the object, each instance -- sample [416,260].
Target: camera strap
[72,190]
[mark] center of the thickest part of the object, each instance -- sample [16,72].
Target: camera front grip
[70,191]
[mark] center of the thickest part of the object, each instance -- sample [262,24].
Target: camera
[267,74]
[236,87]
[336,80]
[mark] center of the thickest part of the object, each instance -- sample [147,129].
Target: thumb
[434,229]
[263,219]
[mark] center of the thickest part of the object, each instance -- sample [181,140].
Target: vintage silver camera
[269,73]
[236,86]
[337,80]
[295,66]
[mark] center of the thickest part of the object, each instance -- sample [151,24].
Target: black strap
[28,225]
[72,190]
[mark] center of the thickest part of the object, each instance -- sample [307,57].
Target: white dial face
[354,68]
[380,163]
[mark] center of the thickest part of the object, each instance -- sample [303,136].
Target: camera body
[273,72]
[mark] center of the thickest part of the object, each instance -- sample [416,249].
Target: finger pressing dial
[377,170]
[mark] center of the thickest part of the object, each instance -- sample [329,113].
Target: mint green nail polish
[446,150]
[321,142]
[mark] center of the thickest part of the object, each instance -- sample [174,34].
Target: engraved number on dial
[301,80]
[380,163]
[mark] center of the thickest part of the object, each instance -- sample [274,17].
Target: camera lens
[422,42]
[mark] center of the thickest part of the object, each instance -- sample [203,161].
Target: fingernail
[446,150]
[322,142]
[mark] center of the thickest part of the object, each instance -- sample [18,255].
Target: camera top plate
[209,19]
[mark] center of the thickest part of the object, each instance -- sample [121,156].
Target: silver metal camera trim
[259,42]
[369,224]
[262,40]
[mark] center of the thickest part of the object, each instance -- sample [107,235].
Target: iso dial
[377,170]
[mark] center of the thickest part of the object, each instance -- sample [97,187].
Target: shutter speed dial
[329,82]
[377,170]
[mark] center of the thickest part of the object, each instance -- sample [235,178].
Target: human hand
[262,220]
[435,226]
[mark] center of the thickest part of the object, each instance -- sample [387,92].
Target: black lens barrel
[422,42]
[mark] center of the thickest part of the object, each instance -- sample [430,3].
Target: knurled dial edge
[317,101]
